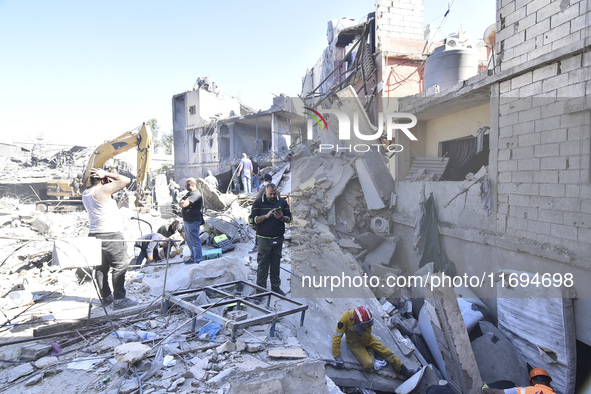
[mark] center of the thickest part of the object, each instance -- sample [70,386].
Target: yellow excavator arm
[142,140]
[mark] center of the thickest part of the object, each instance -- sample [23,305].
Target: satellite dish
[489,37]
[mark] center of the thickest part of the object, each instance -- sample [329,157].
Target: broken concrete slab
[376,181]
[212,198]
[46,362]
[36,379]
[287,353]
[222,377]
[255,347]
[221,226]
[287,378]
[496,357]
[131,352]
[369,240]
[545,343]
[129,386]
[199,370]
[444,330]
[226,347]
[34,350]
[382,255]
[20,371]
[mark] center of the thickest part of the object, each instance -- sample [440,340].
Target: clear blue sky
[82,72]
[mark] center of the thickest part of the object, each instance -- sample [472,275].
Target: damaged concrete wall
[530,30]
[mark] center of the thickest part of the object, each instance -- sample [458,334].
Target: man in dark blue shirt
[270,212]
[192,207]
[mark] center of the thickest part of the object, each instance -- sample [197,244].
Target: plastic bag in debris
[212,329]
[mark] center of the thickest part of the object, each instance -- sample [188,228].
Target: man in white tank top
[106,224]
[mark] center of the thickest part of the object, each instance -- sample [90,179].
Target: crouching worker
[539,380]
[149,250]
[356,326]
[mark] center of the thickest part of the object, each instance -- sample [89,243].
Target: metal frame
[179,298]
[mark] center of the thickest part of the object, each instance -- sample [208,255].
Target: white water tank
[450,64]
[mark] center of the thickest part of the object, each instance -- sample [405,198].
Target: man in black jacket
[192,206]
[270,212]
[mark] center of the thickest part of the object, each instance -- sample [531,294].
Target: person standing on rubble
[211,180]
[192,210]
[270,212]
[254,186]
[245,172]
[34,155]
[539,380]
[356,326]
[106,224]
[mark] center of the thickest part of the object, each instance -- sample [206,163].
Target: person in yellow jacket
[539,380]
[356,326]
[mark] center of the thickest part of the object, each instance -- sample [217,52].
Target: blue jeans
[193,240]
[246,182]
[255,184]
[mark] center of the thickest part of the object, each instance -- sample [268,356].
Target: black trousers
[269,259]
[114,259]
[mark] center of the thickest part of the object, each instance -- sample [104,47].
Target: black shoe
[124,303]
[278,291]
[108,300]
[406,373]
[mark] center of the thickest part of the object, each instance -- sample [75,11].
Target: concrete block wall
[399,19]
[544,189]
[527,29]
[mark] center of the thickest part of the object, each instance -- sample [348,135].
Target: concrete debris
[46,362]
[36,379]
[19,371]
[129,386]
[131,352]
[34,350]
[255,347]
[287,353]
[212,198]
[226,347]
[221,378]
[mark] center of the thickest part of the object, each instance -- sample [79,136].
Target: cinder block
[517,224]
[541,27]
[571,148]
[507,188]
[526,213]
[504,87]
[558,18]
[508,120]
[555,82]
[541,202]
[503,208]
[550,216]
[552,190]
[510,165]
[546,239]
[528,189]
[535,226]
[573,191]
[577,133]
[578,23]
[531,89]
[524,128]
[567,204]
[545,72]
[522,80]
[518,200]
[527,21]
[540,51]
[575,90]
[574,120]
[554,108]
[586,205]
[546,150]
[528,164]
[529,139]
[548,123]
[546,177]
[504,154]
[578,162]
[530,114]
[557,32]
[523,176]
[506,131]
[553,136]
[526,152]
[515,16]
[561,231]
[553,163]
[516,39]
[547,11]
[504,177]
[570,63]
[585,235]
[566,40]
[506,9]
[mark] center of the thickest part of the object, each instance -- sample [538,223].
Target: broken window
[465,155]
[192,110]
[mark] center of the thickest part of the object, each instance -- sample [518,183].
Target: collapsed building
[495,187]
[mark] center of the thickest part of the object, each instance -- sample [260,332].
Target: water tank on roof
[451,63]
